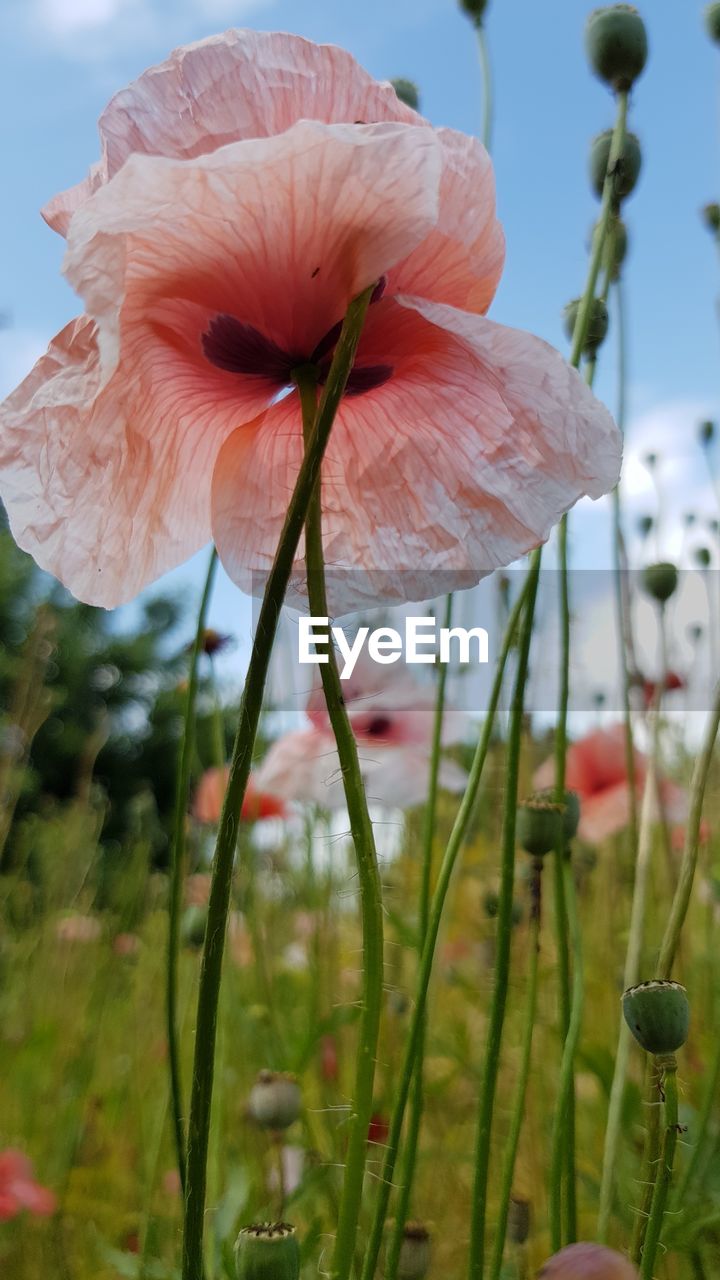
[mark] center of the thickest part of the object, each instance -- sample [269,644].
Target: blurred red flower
[19,1190]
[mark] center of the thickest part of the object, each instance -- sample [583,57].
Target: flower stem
[250,708]
[476,1257]
[412,1138]
[566,1080]
[668,1089]
[368,875]
[487,88]
[525,601]
[524,1073]
[177,872]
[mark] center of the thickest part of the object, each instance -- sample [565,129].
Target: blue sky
[62,59]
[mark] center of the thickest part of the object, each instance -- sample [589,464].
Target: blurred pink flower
[248,188]
[586,1261]
[596,771]
[391,715]
[77,928]
[18,1189]
[126,944]
[257,805]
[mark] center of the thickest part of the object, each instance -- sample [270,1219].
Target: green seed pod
[597,325]
[539,826]
[660,580]
[518,1220]
[475,10]
[585,1261]
[407,92]
[570,810]
[627,169]
[645,524]
[275,1100]
[192,926]
[658,1014]
[490,904]
[702,557]
[712,22]
[706,432]
[414,1259]
[710,214]
[616,45]
[267,1251]
[650,461]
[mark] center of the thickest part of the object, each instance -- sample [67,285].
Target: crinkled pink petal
[107,449]
[227,88]
[458,464]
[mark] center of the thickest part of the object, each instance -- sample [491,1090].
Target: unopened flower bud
[597,324]
[539,825]
[712,21]
[616,45]
[192,926]
[518,1220]
[710,214]
[475,10]
[275,1100]
[706,432]
[645,524]
[267,1251]
[627,166]
[702,557]
[660,580]
[407,92]
[414,1259]
[658,1014]
[587,1262]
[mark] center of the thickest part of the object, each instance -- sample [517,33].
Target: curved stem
[566,1080]
[487,88]
[476,1256]
[518,1111]
[445,873]
[177,871]
[681,901]
[368,875]
[412,1138]
[250,708]
[663,1173]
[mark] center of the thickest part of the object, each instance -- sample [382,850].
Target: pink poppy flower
[585,1261]
[19,1190]
[596,771]
[248,188]
[257,805]
[391,715]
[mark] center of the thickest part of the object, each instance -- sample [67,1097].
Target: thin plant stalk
[525,601]
[496,1021]
[368,876]
[412,1137]
[518,1109]
[177,874]
[566,1080]
[669,1093]
[249,717]
[487,88]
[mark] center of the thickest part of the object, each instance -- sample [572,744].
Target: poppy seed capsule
[475,10]
[275,1100]
[658,1014]
[267,1251]
[702,557]
[414,1258]
[570,808]
[539,825]
[706,432]
[585,1261]
[192,926]
[712,22]
[660,580]
[645,524]
[597,324]
[518,1220]
[616,45]
[407,92]
[710,214]
[627,168]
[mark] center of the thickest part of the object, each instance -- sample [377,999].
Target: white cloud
[93,29]
[19,349]
[75,15]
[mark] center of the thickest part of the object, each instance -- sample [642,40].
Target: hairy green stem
[518,1109]
[177,873]
[663,1176]
[525,601]
[476,1254]
[412,1138]
[368,876]
[567,1065]
[249,717]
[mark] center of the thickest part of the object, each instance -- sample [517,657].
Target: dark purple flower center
[379,727]
[239,348]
